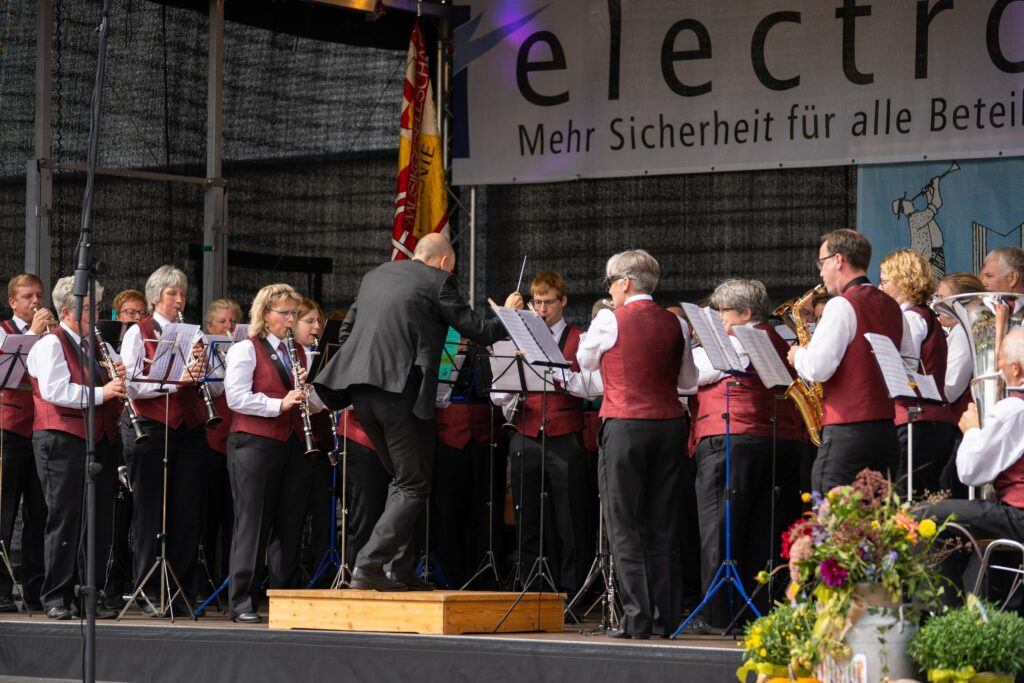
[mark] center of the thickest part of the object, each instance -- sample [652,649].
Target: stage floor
[214,648]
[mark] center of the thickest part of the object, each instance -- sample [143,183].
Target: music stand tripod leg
[488,561]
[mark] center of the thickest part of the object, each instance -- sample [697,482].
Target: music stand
[903,383]
[723,357]
[12,370]
[169,360]
[538,349]
[331,558]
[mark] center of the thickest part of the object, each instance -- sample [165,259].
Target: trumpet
[212,418]
[307,426]
[133,414]
[50,323]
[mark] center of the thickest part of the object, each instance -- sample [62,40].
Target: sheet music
[12,366]
[218,346]
[172,353]
[928,388]
[713,338]
[505,372]
[763,356]
[532,336]
[241,332]
[894,372]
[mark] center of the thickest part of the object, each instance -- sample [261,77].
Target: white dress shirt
[46,362]
[818,361]
[959,363]
[985,453]
[604,332]
[22,326]
[583,384]
[918,329]
[241,363]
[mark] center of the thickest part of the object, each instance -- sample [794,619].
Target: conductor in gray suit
[387,368]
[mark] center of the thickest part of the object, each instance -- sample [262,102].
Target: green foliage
[977,635]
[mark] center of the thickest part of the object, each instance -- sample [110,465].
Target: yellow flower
[763,652]
[927,528]
[805,497]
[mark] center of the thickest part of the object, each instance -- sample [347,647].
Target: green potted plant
[772,643]
[976,642]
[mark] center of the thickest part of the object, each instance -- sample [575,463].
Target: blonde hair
[265,298]
[23,280]
[307,305]
[911,273]
[218,304]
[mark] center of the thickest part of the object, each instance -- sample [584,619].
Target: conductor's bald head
[435,250]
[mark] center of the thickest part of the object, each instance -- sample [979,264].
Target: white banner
[555,90]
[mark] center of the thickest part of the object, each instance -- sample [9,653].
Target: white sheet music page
[928,388]
[894,372]
[241,332]
[763,356]
[715,320]
[505,372]
[173,352]
[531,334]
[713,338]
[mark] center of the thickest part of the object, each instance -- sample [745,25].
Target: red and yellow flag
[421,203]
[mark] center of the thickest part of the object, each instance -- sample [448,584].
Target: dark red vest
[564,412]
[1009,485]
[217,437]
[751,405]
[591,428]
[641,370]
[72,420]
[933,353]
[185,404]
[16,407]
[856,392]
[959,406]
[459,423]
[354,431]
[266,380]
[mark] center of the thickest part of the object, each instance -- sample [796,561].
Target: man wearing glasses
[643,353]
[560,414]
[857,412]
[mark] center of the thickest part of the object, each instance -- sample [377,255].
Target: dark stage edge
[48,650]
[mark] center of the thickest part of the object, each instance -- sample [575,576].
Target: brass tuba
[805,395]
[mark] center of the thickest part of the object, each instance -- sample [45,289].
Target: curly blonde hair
[265,299]
[912,274]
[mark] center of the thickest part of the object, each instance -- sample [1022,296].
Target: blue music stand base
[206,603]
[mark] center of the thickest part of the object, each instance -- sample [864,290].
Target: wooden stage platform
[215,649]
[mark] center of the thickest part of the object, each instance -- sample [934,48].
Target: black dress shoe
[617,633]
[7,604]
[59,613]
[413,583]
[247,618]
[374,581]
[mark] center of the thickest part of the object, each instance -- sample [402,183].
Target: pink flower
[832,574]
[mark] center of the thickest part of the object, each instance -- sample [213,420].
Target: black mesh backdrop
[310,145]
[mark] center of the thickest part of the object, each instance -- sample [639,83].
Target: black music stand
[168,361]
[12,370]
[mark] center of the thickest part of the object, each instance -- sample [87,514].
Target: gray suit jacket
[396,329]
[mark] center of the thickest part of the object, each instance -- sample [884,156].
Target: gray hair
[639,266]
[63,295]
[739,294]
[163,278]
[1011,259]
[1013,346]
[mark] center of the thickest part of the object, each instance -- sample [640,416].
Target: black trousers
[757,511]
[932,443]
[366,497]
[689,530]
[186,480]
[21,488]
[318,509]
[846,449]
[639,479]
[983,519]
[218,519]
[270,485]
[950,478]
[120,568]
[60,459]
[568,538]
[405,446]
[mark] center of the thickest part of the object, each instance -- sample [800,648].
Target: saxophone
[805,395]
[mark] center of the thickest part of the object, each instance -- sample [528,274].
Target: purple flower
[832,574]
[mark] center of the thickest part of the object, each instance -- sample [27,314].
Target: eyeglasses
[131,311]
[293,313]
[608,280]
[883,281]
[819,262]
[537,303]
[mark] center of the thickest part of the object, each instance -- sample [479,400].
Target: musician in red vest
[908,278]
[174,410]
[765,472]
[20,480]
[990,455]
[560,414]
[643,353]
[58,370]
[269,470]
[858,414]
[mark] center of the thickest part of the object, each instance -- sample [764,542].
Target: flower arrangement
[770,642]
[976,637]
[858,547]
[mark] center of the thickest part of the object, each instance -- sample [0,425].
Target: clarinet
[610,599]
[133,415]
[212,418]
[332,454]
[307,427]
